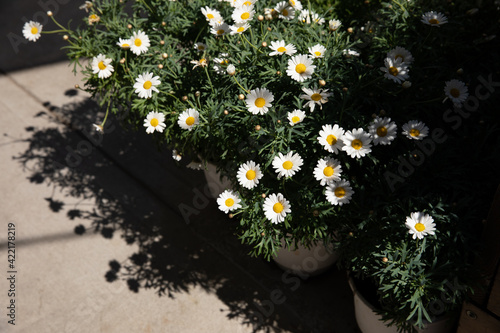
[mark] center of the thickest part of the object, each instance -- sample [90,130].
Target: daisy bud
[382,112]
[257,128]
[184,98]
[460,71]
[231,70]
[481,122]
[406,84]
[122,60]
[163,23]
[350,30]
[278,72]
[374,115]
[367,2]
[160,66]
[230,216]
[269,29]
[49,13]
[241,97]
[197,93]
[164,55]
[344,89]
[162,42]
[472,11]
[65,37]
[77,86]
[260,18]
[263,195]
[79,37]
[264,44]
[279,121]
[384,259]
[322,83]
[351,234]
[129,26]
[226,112]
[316,212]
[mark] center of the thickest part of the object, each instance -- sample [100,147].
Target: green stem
[53,31]
[209,80]
[235,80]
[251,43]
[58,24]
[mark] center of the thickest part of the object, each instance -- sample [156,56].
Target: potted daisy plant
[327,120]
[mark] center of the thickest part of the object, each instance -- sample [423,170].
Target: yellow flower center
[292,3]
[281,49]
[229,202]
[382,131]
[260,102]
[220,32]
[247,3]
[339,192]
[34,30]
[419,227]
[414,132]
[210,16]
[241,29]
[356,144]
[245,16]
[433,21]
[101,65]
[251,175]
[278,208]
[137,42]
[189,121]
[300,68]
[287,165]
[315,97]
[285,12]
[328,171]
[125,46]
[93,17]
[393,71]
[317,53]
[454,92]
[147,85]
[154,122]
[331,139]
[295,119]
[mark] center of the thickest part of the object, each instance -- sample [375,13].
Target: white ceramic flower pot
[215,184]
[370,322]
[306,262]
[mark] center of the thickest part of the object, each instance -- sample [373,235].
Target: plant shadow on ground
[125,187]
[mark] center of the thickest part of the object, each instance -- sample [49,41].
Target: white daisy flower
[241,3]
[296,4]
[350,53]
[285,11]
[456,91]
[317,19]
[315,96]
[87,5]
[333,25]
[400,52]
[259,100]
[339,193]
[231,70]
[93,18]
[201,63]
[317,51]
[220,63]
[420,225]
[239,28]
[188,119]
[210,14]
[228,201]
[139,42]
[307,16]
[300,67]
[243,14]
[296,116]
[176,155]
[276,207]
[155,121]
[249,174]
[124,43]
[287,165]
[200,47]
[382,130]
[415,130]
[220,29]
[331,138]
[395,70]
[434,19]
[145,85]
[327,170]
[102,66]
[32,30]
[279,48]
[357,143]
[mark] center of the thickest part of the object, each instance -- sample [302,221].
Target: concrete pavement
[100,242]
